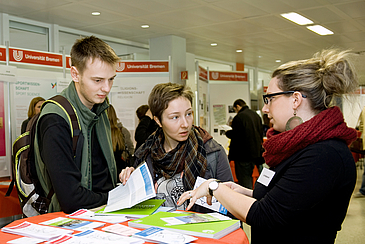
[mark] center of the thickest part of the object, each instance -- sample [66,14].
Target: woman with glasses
[303,197]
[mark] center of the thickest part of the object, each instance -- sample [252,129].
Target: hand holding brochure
[216,206]
[138,188]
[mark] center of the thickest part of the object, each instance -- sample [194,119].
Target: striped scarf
[189,155]
[327,124]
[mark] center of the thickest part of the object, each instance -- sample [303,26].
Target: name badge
[266,176]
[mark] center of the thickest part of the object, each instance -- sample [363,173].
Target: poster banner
[131,91]
[227,76]
[2,121]
[25,89]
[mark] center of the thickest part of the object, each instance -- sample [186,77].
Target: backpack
[30,192]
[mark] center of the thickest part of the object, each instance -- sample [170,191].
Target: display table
[9,206]
[238,236]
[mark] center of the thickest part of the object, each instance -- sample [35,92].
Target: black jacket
[306,200]
[246,136]
[144,129]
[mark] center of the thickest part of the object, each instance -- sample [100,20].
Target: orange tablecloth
[9,206]
[238,236]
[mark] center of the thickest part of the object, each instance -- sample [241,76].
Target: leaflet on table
[25,240]
[73,224]
[95,237]
[160,235]
[120,230]
[138,188]
[195,218]
[87,214]
[216,206]
[36,231]
[139,210]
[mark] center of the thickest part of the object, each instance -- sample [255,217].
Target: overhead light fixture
[214,44]
[239,50]
[278,60]
[297,18]
[145,26]
[320,30]
[95,13]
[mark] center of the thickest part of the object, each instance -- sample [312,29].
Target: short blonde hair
[164,93]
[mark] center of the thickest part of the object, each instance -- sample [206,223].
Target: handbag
[357,146]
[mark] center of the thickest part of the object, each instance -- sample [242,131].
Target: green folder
[213,230]
[139,210]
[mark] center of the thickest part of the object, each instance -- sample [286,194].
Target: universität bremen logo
[17,55]
[120,66]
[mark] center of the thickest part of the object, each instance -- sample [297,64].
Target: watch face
[213,185]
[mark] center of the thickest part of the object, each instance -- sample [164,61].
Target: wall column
[163,47]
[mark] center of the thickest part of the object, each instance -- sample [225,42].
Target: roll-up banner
[132,86]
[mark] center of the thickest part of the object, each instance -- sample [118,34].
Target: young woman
[178,152]
[118,140]
[303,197]
[34,108]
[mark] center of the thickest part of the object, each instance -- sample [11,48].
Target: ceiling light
[213,44]
[320,30]
[95,13]
[260,56]
[239,51]
[145,26]
[297,18]
[278,60]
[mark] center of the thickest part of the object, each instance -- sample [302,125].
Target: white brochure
[216,206]
[138,188]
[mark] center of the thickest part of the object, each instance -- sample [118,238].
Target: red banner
[228,76]
[34,57]
[203,73]
[143,66]
[2,54]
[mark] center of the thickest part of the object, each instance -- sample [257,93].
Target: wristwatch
[213,185]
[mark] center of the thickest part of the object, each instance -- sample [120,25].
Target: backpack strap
[62,102]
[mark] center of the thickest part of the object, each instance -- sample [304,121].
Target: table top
[237,236]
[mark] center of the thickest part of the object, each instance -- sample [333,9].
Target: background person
[304,196]
[82,181]
[117,140]
[178,152]
[245,148]
[146,126]
[361,121]
[34,108]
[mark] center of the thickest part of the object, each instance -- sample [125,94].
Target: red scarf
[325,125]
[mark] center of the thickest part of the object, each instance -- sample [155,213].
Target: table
[238,236]
[9,206]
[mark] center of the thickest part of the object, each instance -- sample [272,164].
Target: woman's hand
[237,188]
[201,191]
[124,175]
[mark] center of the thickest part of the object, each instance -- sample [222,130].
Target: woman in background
[34,108]
[304,196]
[117,139]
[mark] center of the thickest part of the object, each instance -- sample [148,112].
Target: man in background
[82,180]
[246,142]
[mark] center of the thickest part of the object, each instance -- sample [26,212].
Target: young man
[246,139]
[82,181]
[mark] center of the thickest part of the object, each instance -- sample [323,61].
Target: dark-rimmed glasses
[267,97]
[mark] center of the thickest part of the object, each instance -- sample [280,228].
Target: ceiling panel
[252,25]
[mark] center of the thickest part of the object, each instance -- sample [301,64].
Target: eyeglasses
[267,98]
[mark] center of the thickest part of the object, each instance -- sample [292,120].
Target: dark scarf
[189,155]
[325,125]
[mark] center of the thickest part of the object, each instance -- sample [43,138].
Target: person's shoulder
[212,146]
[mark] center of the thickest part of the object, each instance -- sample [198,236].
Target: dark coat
[246,136]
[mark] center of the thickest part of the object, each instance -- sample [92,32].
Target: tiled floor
[353,228]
